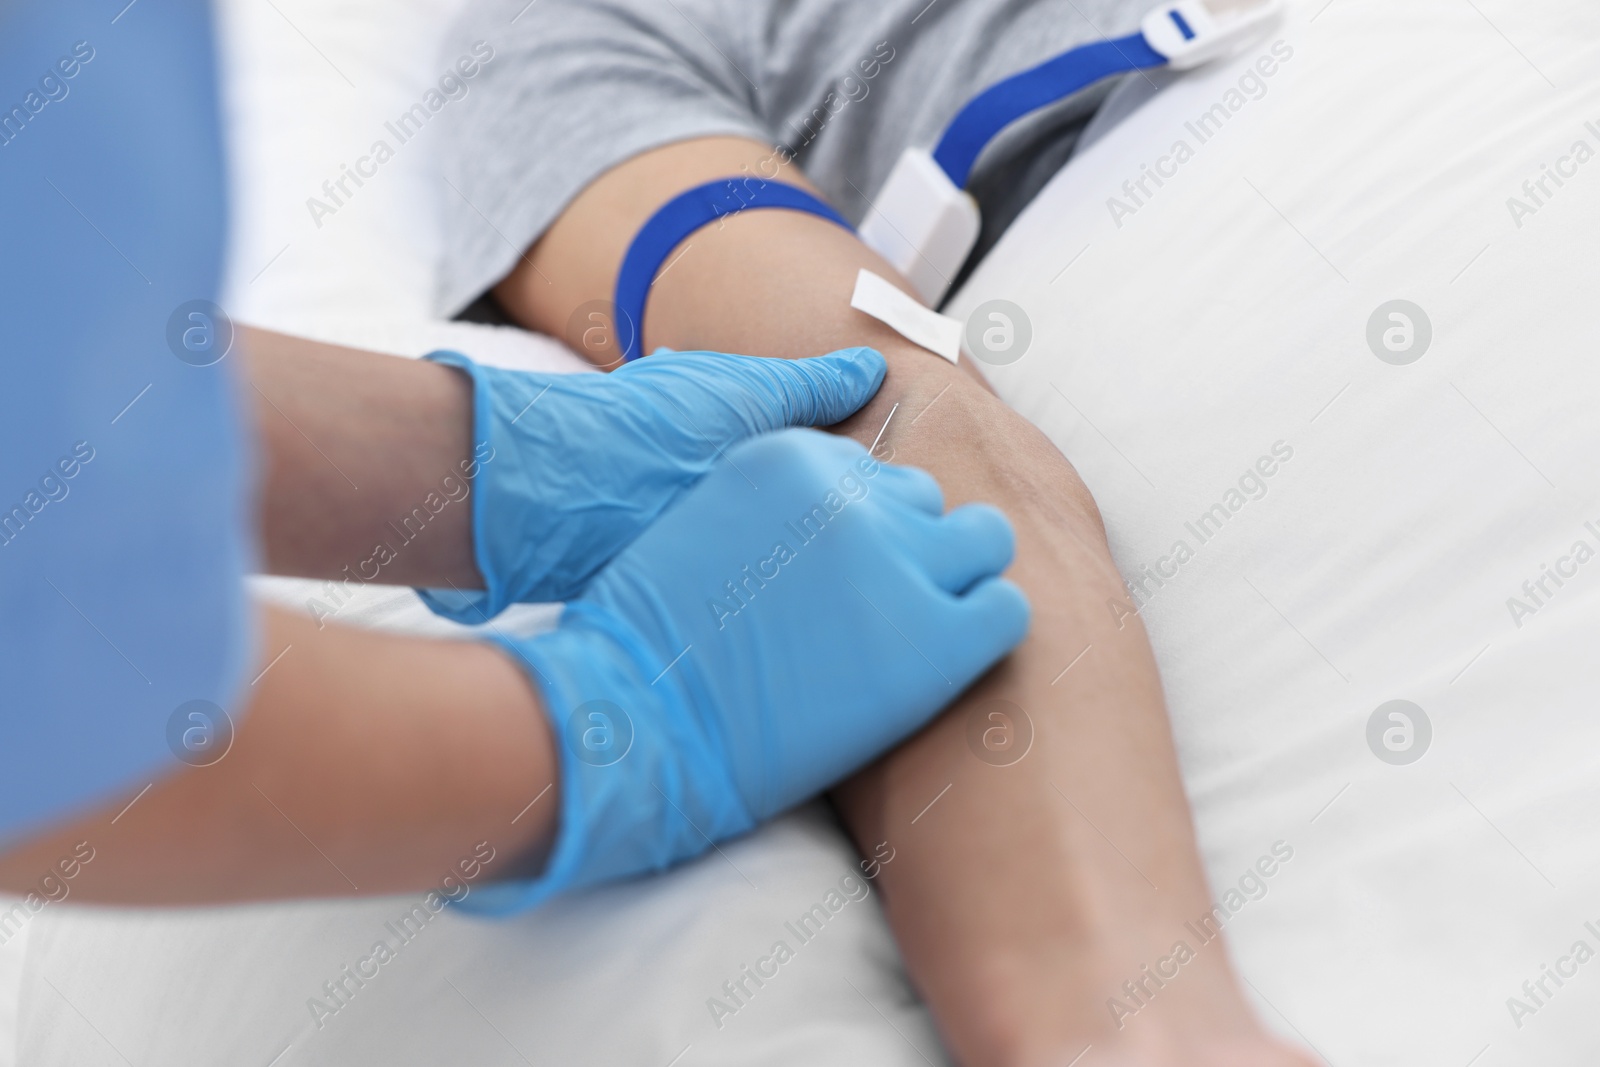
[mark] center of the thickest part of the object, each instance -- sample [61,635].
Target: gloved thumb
[819,391]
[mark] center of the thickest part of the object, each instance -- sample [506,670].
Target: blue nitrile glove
[799,611]
[580,464]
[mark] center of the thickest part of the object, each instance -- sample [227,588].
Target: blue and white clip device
[925,223]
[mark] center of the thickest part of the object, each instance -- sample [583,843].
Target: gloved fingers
[994,617]
[958,550]
[825,389]
[794,392]
[911,486]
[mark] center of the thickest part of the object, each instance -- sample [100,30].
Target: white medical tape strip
[922,326]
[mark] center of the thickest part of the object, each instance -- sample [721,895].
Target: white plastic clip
[1192,32]
[922,224]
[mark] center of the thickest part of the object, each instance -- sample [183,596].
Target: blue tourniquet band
[984,117]
[679,218]
[1055,79]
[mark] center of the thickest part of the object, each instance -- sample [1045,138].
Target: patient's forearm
[362,450]
[1024,895]
[367,763]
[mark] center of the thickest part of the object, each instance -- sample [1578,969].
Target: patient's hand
[1176,1051]
[1023,893]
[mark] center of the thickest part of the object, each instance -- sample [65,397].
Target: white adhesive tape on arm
[922,326]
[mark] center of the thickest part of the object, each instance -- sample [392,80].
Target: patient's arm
[1023,896]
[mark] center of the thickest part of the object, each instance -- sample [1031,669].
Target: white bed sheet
[1228,313]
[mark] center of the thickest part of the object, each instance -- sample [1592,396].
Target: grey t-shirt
[576,87]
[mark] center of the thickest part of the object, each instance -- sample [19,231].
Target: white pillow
[1180,337]
[312,90]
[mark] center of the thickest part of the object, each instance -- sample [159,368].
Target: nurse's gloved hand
[581,463]
[798,612]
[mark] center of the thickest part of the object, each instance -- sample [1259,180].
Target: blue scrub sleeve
[124,495]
